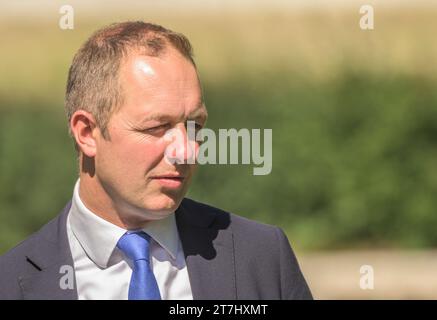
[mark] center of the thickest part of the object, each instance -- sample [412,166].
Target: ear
[83,127]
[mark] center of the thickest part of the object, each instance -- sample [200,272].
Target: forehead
[167,83]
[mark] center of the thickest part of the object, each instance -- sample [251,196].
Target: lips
[170,180]
[169,176]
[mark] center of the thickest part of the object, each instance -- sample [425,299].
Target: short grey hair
[93,79]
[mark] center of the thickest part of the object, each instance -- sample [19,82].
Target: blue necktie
[143,284]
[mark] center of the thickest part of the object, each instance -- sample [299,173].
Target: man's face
[160,93]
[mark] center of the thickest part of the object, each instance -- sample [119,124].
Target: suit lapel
[51,251]
[46,285]
[207,242]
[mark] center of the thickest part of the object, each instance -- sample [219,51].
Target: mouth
[171,181]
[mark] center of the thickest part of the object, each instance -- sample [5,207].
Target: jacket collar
[207,241]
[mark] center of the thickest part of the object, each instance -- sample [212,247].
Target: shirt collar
[99,237]
[165,233]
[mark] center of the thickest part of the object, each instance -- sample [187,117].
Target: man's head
[129,84]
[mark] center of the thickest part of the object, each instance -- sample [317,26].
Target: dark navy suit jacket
[227,256]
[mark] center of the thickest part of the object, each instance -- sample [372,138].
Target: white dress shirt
[101,269]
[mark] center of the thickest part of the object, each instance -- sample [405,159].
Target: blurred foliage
[352,161]
[354,119]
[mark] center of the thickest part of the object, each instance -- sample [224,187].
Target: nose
[183,146]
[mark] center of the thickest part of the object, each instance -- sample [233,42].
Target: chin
[163,206]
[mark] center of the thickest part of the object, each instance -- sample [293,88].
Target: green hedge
[353,161]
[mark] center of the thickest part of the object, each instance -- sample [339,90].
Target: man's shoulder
[15,263]
[264,259]
[237,222]
[27,246]
[13,259]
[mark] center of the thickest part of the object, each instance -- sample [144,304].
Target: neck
[98,201]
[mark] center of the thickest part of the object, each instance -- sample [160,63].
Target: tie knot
[135,245]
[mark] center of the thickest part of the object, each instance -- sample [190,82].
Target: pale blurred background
[353,113]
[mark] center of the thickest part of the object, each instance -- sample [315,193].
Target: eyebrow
[199,112]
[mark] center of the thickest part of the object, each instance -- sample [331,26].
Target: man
[128,232]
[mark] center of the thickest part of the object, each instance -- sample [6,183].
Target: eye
[197,126]
[157,130]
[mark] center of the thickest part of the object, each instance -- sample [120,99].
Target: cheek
[145,153]
[131,154]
